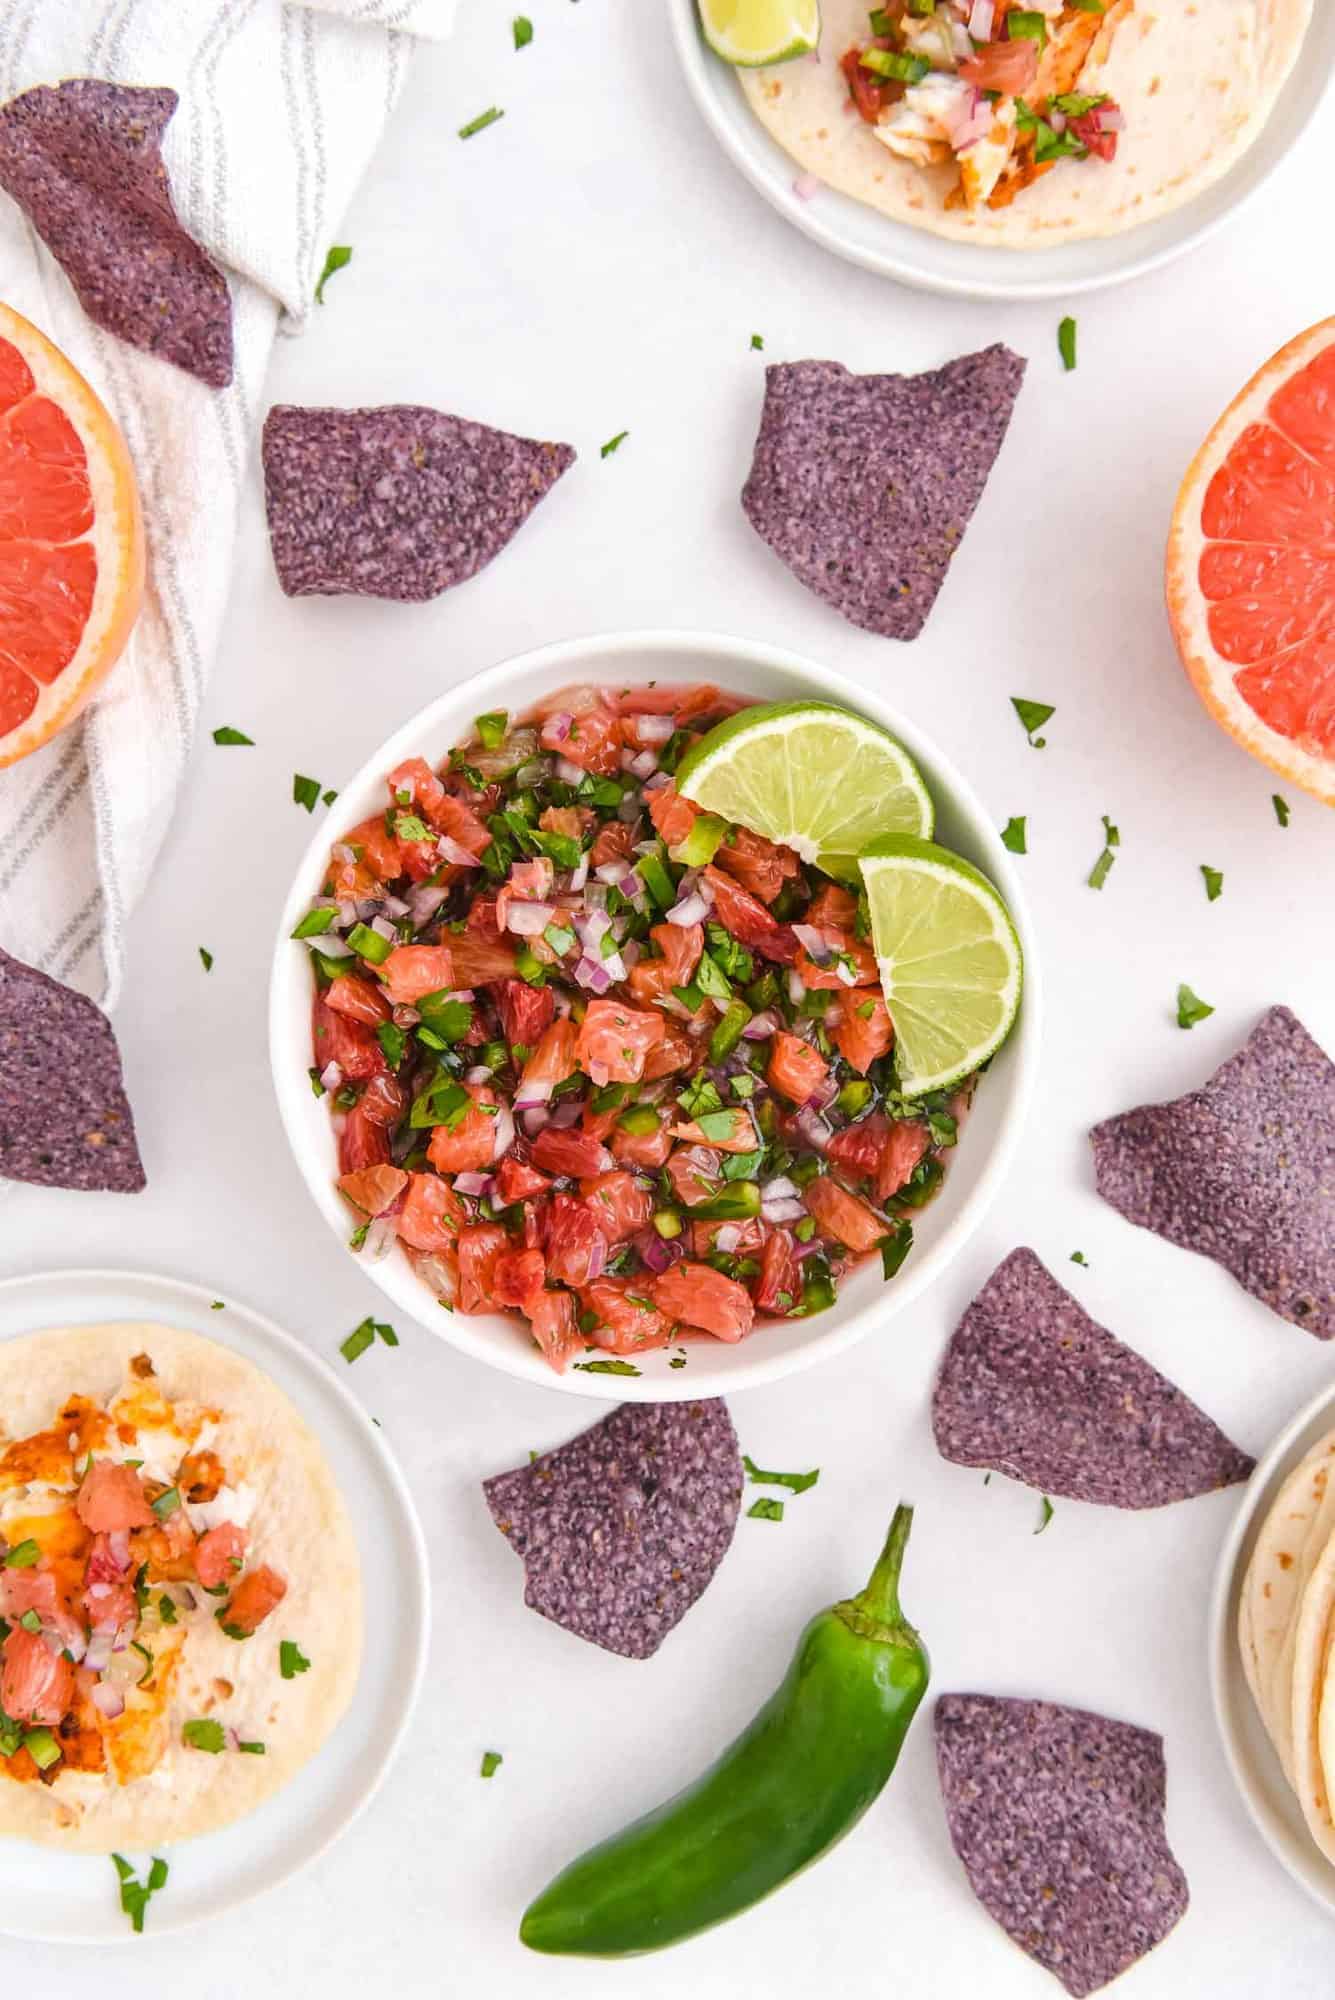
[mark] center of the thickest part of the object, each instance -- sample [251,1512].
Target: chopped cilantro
[1214,882]
[305,791]
[605,451]
[607,1367]
[291,1660]
[796,1482]
[1079,1257]
[758,342]
[336,257]
[167,1609]
[204,1734]
[252,1749]
[206,958]
[166,1503]
[1191,1008]
[491,1763]
[227,736]
[481,122]
[1033,714]
[1045,1513]
[135,1894]
[1099,873]
[392,1041]
[1066,342]
[492,728]
[358,1341]
[315,923]
[765,1510]
[523,31]
[23,1555]
[1013,834]
[895,1248]
[1281,808]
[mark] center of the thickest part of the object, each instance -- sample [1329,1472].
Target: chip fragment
[621,1529]
[65,1120]
[1058,1817]
[1242,1170]
[399,502]
[864,484]
[1032,1387]
[83,159]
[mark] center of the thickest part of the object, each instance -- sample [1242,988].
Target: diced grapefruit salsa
[598,1059]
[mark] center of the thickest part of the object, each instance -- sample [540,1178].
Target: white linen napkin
[280,109]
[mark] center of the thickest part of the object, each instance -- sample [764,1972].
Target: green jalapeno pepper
[790,1786]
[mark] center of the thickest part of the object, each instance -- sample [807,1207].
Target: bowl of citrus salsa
[625,1049]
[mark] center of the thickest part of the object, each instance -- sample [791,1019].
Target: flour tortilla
[1196,85]
[299,1524]
[1293,1536]
[1311,1668]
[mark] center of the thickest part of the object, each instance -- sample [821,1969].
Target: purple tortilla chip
[399,502]
[1242,1171]
[65,1121]
[1035,1388]
[84,162]
[864,484]
[621,1529]
[1057,1815]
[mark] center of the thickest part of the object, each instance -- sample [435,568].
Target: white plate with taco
[197,1527]
[991,150]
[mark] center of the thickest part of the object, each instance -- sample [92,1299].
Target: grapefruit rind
[1211,675]
[117,534]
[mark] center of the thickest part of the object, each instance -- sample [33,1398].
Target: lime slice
[815,777]
[752,32]
[949,960]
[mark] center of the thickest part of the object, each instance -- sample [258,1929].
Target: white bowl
[969,270]
[1250,1754]
[987,1144]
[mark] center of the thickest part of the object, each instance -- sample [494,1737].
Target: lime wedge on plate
[814,777]
[949,960]
[750,33]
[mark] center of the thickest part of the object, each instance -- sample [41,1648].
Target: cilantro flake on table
[1066,342]
[1102,868]
[796,1482]
[523,31]
[1191,1008]
[136,1895]
[758,342]
[491,1763]
[364,1336]
[305,791]
[226,737]
[1214,882]
[1281,808]
[765,1510]
[613,444]
[1045,1514]
[481,122]
[608,1367]
[291,1660]
[1033,714]
[1079,1257]
[336,257]
[1013,834]
[206,958]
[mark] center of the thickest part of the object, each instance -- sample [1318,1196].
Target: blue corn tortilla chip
[864,484]
[1058,1817]
[1032,1387]
[399,502]
[83,160]
[1242,1170]
[65,1120]
[622,1529]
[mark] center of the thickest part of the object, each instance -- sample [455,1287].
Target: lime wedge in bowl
[949,959]
[810,776]
[750,33]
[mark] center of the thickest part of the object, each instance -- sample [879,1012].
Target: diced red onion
[657,782]
[797,991]
[118,1548]
[592,974]
[806,186]
[595,896]
[592,928]
[532,1092]
[813,1129]
[653,728]
[568,773]
[846,974]
[406,1017]
[531,774]
[630,954]
[479,1073]
[655,1253]
[628,811]
[425,900]
[814,943]
[109,1701]
[505,1132]
[1111,118]
[579,874]
[611,873]
[347,910]
[473,1183]
[331,1076]
[559,726]
[691,909]
[331,945]
[395,906]
[760,1027]
[643,765]
[385,929]
[528,919]
[98,1655]
[379,1239]
[779,1189]
[783,1210]
[1057,120]
[597,1256]
[533,1118]
[728,1237]
[458,856]
[436,1273]
[566,1112]
[614,965]
[981,17]
[342,852]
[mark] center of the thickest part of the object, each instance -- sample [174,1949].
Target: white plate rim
[1299,1857]
[1247,175]
[162,1921]
[597,655]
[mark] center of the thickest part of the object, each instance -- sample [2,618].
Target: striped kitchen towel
[280,109]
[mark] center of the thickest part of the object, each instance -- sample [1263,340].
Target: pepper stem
[875,1611]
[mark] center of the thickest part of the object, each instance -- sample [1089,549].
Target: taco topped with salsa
[180,1595]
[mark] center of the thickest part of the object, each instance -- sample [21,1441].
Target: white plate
[1250,1754]
[74,1898]
[988,1142]
[936,264]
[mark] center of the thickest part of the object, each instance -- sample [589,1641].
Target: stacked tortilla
[1285,1634]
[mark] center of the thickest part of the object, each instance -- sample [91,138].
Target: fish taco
[180,1593]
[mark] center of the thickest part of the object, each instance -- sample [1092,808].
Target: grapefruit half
[71,540]
[1251,565]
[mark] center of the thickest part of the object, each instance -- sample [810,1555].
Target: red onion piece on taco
[1242,1170]
[1031,1386]
[83,160]
[1058,1817]
[65,1120]
[864,484]
[622,1529]
[400,502]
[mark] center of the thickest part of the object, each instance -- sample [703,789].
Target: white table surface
[591,265]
